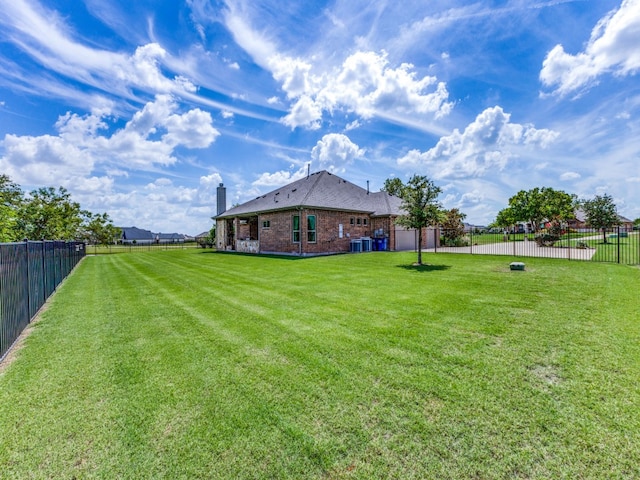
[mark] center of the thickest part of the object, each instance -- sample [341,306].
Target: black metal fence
[616,245]
[29,273]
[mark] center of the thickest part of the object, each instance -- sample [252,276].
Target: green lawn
[193,364]
[628,248]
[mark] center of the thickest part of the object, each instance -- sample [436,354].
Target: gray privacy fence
[29,273]
[616,245]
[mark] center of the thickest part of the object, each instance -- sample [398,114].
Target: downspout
[300,225]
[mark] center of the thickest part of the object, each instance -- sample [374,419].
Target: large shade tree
[420,202]
[601,213]
[540,205]
[536,206]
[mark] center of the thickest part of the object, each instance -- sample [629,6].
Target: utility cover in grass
[516,266]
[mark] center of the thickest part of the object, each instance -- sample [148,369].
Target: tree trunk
[604,235]
[419,246]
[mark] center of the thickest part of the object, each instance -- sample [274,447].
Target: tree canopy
[393,186]
[420,202]
[48,213]
[538,205]
[601,213]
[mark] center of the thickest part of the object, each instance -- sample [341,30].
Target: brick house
[579,222]
[319,214]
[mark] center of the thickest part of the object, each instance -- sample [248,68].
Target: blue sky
[141,109]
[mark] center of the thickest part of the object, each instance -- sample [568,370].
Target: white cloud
[353,125]
[192,129]
[335,151]
[294,74]
[81,144]
[612,48]
[363,84]
[305,112]
[207,190]
[486,144]
[570,176]
[280,178]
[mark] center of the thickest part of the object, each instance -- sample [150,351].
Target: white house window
[364,221]
[311,228]
[266,223]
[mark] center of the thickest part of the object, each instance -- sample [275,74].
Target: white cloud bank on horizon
[486,144]
[612,48]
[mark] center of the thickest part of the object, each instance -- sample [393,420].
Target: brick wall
[278,236]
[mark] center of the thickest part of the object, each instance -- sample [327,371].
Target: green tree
[419,201]
[505,219]
[99,229]
[50,214]
[601,213]
[541,204]
[393,186]
[452,226]
[11,198]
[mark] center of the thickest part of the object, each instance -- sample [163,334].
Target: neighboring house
[625,223]
[169,238]
[579,223]
[139,236]
[319,214]
[135,235]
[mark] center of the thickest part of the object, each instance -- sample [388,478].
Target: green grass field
[193,364]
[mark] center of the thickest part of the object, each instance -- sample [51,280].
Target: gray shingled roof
[135,233]
[322,190]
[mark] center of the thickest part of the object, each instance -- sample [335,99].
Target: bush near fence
[29,273]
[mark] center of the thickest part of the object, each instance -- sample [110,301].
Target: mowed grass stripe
[198,365]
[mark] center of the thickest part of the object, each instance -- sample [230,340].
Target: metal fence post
[618,237]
